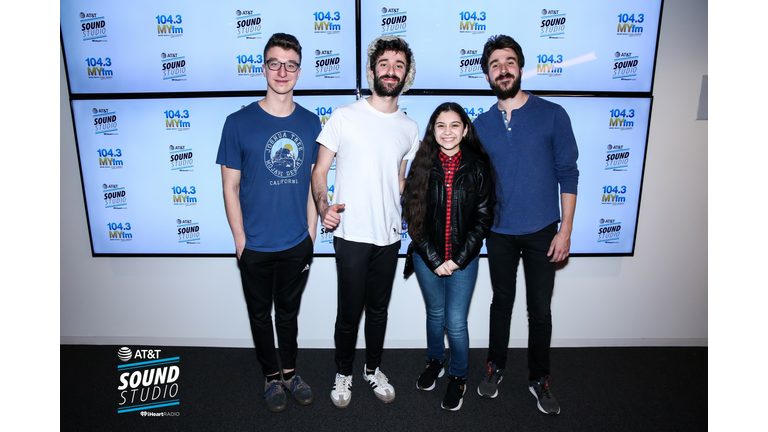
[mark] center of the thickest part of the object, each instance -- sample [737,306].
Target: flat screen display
[151,85]
[150,178]
[144,46]
[591,46]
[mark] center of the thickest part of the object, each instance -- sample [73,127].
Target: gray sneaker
[299,390]
[274,395]
[545,401]
[489,386]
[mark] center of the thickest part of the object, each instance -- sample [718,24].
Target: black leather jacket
[471,212]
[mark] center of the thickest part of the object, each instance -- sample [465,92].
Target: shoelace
[492,375]
[380,379]
[545,390]
[272,389]
[297,383]
[343,383]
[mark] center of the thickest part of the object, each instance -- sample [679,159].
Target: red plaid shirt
[450,165]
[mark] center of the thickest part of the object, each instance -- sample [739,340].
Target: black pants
[365,275]
[504,253]
[279,276]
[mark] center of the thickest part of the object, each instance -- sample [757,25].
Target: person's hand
[451,266]
[560,247]
[443,270]
[331,216]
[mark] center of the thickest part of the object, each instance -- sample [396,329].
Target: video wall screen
[144,46]
[611,136]
[151,86]
[596,45]
[150,178]
[152,185]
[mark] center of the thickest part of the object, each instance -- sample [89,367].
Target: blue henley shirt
[535,160]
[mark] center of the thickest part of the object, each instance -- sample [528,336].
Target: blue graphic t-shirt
[274,156]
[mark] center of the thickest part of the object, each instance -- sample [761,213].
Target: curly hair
[414,198]
[391,43]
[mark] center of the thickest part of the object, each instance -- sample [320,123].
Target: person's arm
[427,252]
[311,214]
[230,179]
[329,215]
[480,226]
[561,244]
[403,168]
[566,154]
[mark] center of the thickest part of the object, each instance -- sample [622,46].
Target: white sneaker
[342,390]
[380,384]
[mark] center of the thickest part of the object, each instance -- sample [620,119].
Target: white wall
[657,297]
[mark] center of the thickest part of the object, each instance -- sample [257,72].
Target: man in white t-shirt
[372,141]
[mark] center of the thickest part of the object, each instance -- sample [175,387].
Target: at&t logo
[617,158]
[625,66]
[469,63]
[393,21]
[93,27]
[609,231]
[327,64]
[174,66]
[552,24]
[248,24]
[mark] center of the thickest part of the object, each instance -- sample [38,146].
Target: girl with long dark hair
[448,206]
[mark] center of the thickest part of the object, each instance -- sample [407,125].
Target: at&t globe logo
[124,354]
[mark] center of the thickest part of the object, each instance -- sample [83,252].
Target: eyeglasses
[275,65]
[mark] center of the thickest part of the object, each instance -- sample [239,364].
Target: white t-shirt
[370,146]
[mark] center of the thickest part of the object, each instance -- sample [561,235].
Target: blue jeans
[447,302]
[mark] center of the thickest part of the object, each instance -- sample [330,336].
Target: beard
[383,89]
[505,93]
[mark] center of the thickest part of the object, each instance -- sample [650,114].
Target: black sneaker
[454,396]
[489,386]
[432,372]
[545,401]
[274,395]
[299,390]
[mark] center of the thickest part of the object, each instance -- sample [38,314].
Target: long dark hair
[415,193]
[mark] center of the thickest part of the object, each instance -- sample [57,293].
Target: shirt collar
[445,158]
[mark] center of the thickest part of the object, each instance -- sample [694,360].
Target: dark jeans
[504,253]
[279,276]
[365,274]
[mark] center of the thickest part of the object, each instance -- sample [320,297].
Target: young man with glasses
[267,153]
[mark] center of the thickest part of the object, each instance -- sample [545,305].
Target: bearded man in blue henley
[531,144]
